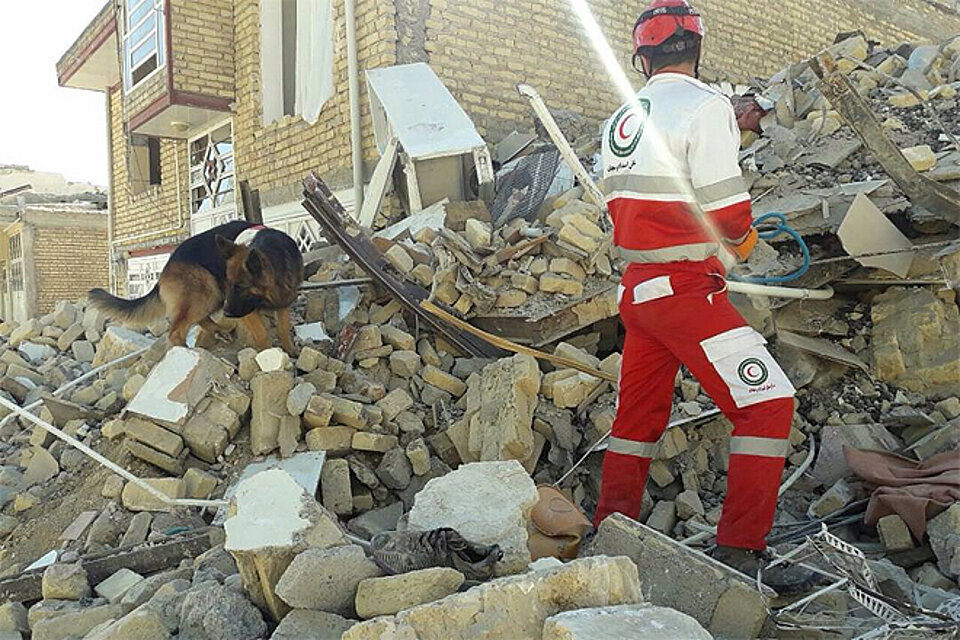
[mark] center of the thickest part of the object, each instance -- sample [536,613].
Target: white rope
[109,464]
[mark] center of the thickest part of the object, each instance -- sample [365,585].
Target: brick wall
[146,93]
[68,261]
[151,215]
[203,47]
[483,49]
[282,153]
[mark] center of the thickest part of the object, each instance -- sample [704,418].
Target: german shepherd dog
[240,267]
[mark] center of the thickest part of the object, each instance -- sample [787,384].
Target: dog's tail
[135,313]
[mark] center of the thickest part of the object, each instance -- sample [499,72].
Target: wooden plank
[379,183]
[143,560]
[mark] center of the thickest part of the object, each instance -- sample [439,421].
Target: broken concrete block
[394,403]
[82,351]
[688,505]
[220,612]
[136,498]
[568,267]
[405,364]
[915,340]
[326,579]
[304,624]
[205,439]
[13,618]
[501,410]
[950,407]
[721,599]
[399,258]
[442,380]
[137,531]
[394,469]
[581,233]
[419,456]
[199,484]
[478,233]
[831,466]
[26,331]
[65,582]
[391,594]
[299,397]
[117,585]
[397,338]
[944,533]
[894,533]
[921,157]
[274,359]
[839,495]
[273,519]
[336,441]
[623,621]
[553,283]
[335,486]
[514,607]
[153,436]
[118,342]
[270,391]
[176,385]
[74,623]
[487,503]
[41,468]
[348,412]
[142,624]
[663,517]
[318,412]
[377,442]
[112,487]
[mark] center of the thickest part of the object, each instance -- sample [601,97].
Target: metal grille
[521,191]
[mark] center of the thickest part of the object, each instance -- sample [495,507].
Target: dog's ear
[226,247]
[254,263]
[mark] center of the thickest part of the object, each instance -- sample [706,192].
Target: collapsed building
[239,490]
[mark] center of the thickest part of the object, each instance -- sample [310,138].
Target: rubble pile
[379,424]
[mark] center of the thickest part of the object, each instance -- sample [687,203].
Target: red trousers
[679,313]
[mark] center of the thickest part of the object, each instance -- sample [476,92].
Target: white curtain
[314,57]
[271,60]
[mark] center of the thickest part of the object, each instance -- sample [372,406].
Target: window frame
[155,9]
[219,213]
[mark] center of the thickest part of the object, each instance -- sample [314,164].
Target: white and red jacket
[676,144]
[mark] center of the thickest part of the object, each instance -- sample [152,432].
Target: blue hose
[781,227]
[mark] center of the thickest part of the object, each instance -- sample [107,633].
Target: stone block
[397,338]
[399,258]
[273,519]
[689,505]
[894,533]
[443,380]
[515,607]
[394,469]
[419,456]
[623,621]
[335,486]
[13,618]
[347,412]
[664,516]
[336,441]
[568,267]
[921,157]
[270,391]
[117,585]
[672,575]
[205,439]
[944,533]
[304,624]
[326,579]
[405,364]
[135,498]
[199,484]
[75,623]
[65,582]
[500,409]
[142,624]
[83,351]
[118,342]
[299,397]
[394,403]
[487,503]
[553,283]
[391,594]
[273,359]
[839,495]
[157,437]
[318,412]
[477,233]
[219,613]
[377,442]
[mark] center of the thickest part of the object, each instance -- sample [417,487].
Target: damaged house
[203,97]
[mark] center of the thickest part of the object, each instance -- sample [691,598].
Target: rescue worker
[682,217]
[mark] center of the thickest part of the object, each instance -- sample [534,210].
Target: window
[296,58]
[16,263]
[143,272]
[211,170]
[143,163]
[143,40]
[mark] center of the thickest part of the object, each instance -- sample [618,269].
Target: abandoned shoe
[403,551]
[784,578]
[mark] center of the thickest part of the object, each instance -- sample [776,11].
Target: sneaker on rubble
[784,578]
[403,551]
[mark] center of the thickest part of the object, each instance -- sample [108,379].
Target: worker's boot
[785,578]
[402,551]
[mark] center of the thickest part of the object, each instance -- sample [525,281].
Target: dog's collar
[247,235]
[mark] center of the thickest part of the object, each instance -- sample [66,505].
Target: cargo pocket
[652,289]
[746,367]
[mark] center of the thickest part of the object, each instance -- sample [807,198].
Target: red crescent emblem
[623,123]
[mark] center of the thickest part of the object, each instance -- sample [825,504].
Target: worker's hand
[745,247]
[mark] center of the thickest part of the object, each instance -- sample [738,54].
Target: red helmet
[664,19]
